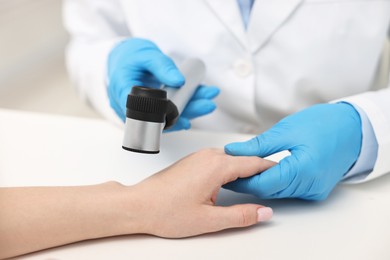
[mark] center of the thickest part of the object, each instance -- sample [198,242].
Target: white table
[36,149]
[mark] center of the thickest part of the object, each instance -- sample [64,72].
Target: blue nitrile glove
[139,62]
[324,141]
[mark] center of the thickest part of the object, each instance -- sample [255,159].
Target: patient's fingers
[244,166]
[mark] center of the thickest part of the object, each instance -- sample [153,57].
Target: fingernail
[264,214]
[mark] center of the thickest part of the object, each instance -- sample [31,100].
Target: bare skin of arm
[36,218]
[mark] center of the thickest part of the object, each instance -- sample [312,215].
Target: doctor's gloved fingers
[265,144]
[205,92]
[241,215]
[164,69]
[150,81]
[248,148]
[181,124]
[136,56]
[198,108]
[266,185]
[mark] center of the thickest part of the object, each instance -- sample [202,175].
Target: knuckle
[215,159]
[114,184]
[244,217]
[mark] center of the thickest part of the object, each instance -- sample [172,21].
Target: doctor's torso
[293,53]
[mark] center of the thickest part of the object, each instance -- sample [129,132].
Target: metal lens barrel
[146,110]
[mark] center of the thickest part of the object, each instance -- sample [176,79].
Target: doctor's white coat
[293,54]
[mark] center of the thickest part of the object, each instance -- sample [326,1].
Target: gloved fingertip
[247,148]
[206,92]
[209,107]
[164,69]
[186,124]
[197,108]
[181,124]
[231,148]
[212,92]
[174,78]
[242,186]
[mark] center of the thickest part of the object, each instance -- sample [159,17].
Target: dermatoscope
[150,111]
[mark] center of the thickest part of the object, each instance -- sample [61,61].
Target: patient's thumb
[243,215]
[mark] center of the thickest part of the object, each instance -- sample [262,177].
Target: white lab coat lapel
[266,18]
[229,14]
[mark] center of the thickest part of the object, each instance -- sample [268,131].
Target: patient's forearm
[42,217]
[178,201]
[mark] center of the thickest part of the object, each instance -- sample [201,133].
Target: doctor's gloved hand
[324,141]
[139,62]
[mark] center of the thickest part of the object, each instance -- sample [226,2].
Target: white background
[32,66]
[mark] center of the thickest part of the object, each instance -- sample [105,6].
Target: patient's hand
[176,202]
[179,201]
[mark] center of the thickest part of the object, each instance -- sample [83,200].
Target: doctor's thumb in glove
[324,141]
[139,62]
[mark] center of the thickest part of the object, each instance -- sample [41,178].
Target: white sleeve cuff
[369,150]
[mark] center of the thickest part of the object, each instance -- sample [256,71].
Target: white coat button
[243,68]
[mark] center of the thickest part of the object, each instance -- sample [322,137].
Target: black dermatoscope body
[150,111]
